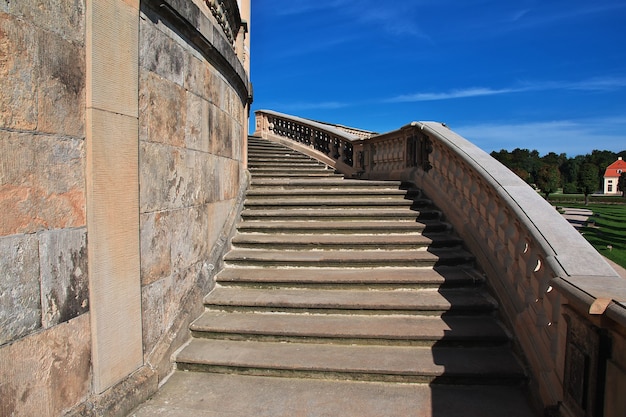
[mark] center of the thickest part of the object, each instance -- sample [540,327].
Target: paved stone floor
[188,394]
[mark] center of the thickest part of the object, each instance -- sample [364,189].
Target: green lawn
[606,229]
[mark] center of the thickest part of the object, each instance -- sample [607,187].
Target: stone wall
[44,301]
[191,174]
[190,108]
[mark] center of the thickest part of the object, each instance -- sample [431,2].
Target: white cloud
[591,84]
[454,94]
[577,137]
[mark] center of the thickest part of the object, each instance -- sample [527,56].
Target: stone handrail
[563,301]
[331,145]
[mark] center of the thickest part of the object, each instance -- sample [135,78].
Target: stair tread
[398,276]
[352,300]
[371,359]
[352,326]
[339,256]
[320,239]
[189,393]
[339,224]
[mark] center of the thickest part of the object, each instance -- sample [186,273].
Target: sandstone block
[160,54]
[197,126]
[196,76]
[164,112]
[64,275]
[46,373]
[156,240]
[61,98]
[41,183]
[20,303]
[18,74]
[113,38]
[66,18]
[153,319]
[221,134]
[189,237]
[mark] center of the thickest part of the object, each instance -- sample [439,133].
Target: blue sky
[538,74]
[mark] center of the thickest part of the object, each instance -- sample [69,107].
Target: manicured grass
[607,228]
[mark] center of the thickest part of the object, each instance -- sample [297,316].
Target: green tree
[588,180]
[548,179]
[621,184]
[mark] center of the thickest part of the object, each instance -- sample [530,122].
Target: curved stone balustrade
[332,145]
[564,303]
[226,13]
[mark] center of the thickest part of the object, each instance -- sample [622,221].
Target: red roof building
[611,176]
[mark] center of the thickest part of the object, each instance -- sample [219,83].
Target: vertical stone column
[112,145]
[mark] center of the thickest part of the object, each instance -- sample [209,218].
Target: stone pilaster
[112,146]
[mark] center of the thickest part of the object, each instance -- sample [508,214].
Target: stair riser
[415,311]
[343,229]
[343,340]
[479,379]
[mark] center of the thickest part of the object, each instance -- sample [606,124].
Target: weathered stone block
[221,134]
[46,373]
[20,304]
[153,321]
[61,98]
[160,54]
[156,239]
[41,183]
[18,74]
[63,17]
[218,214]
[170,178]
[189,237]
[196,77]
[164,112]
[64,275]
[197,126]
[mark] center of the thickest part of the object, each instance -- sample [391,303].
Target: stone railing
[563,302]
[226,13]
[331,145]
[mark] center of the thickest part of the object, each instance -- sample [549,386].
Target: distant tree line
[552,172]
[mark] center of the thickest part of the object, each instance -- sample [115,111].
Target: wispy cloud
[591,84]
[303,105]
[578,137]
[453,94]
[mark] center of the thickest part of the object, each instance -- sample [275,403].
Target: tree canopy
[580,174]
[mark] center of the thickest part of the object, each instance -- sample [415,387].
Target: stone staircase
[330,281]
[346,279]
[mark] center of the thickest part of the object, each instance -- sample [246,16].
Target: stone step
[346,201]
[333,278]
[297,174]
[343,226]
[481,365]
[345,242]
[341,192]
[355,301]
[206,394]
[320,183]
[348,258]
[351,329]
[299,168]
[336,213]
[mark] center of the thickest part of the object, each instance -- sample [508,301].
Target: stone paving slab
[188,394]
